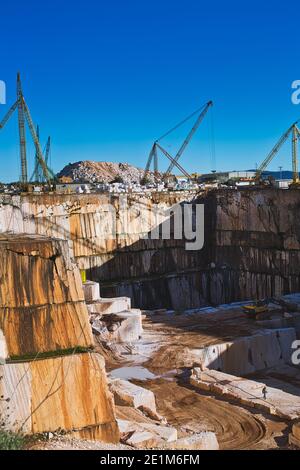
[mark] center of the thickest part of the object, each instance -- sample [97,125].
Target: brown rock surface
[68,393]
[41,299]
[251,250]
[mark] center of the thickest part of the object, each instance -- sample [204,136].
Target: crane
[174,162]
[153,156]
[25,116]
[293,131]
[189,136]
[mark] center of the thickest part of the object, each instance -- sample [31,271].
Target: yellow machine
[255,309]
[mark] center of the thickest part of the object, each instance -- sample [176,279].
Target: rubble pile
[103,172]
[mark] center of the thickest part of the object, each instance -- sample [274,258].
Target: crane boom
[8,114]
[273,152]
[174,162]
[189,136]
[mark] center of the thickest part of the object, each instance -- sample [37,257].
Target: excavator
[261,308]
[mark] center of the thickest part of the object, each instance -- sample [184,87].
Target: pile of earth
[103,172]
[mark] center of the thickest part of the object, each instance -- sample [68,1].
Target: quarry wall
[50,379]
[251,249]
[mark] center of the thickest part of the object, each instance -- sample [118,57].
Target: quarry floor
[160,363]
[158,366]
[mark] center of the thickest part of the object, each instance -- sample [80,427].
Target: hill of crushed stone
[102,172]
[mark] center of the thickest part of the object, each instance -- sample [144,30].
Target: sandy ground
[236,427]
[179,331]
[190,410]
[66,443]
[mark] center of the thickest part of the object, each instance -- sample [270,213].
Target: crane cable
[181,123]
[212,142]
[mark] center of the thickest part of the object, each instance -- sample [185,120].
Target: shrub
[11,441]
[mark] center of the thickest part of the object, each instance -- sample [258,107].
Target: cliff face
[251,247]
[42,307]
[49,379]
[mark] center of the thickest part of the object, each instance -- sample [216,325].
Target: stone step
[110,305]
[248,392]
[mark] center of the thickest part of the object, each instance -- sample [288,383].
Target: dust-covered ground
[160,362]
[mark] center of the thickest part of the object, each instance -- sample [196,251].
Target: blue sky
[105,79]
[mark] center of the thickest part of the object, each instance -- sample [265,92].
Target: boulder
[129,394]
[145,435]
[123,327]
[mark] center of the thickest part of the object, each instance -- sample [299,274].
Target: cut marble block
[110,305]
[91,291]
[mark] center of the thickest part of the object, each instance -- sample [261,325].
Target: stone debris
[145,435]
[205,440]
[128,394]
[249,392]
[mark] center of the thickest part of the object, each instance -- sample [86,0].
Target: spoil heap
[103,172]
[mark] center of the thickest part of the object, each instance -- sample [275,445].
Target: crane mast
[295,132]
[22,133]
[23,116]
[47,152]
[273,152]
[295,154]
[48,174]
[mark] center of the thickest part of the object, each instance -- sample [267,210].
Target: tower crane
[25,116]
[153,155]
[293,131]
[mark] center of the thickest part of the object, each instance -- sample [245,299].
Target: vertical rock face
[251,247]
[41,299]
[45,385]
[67,393]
